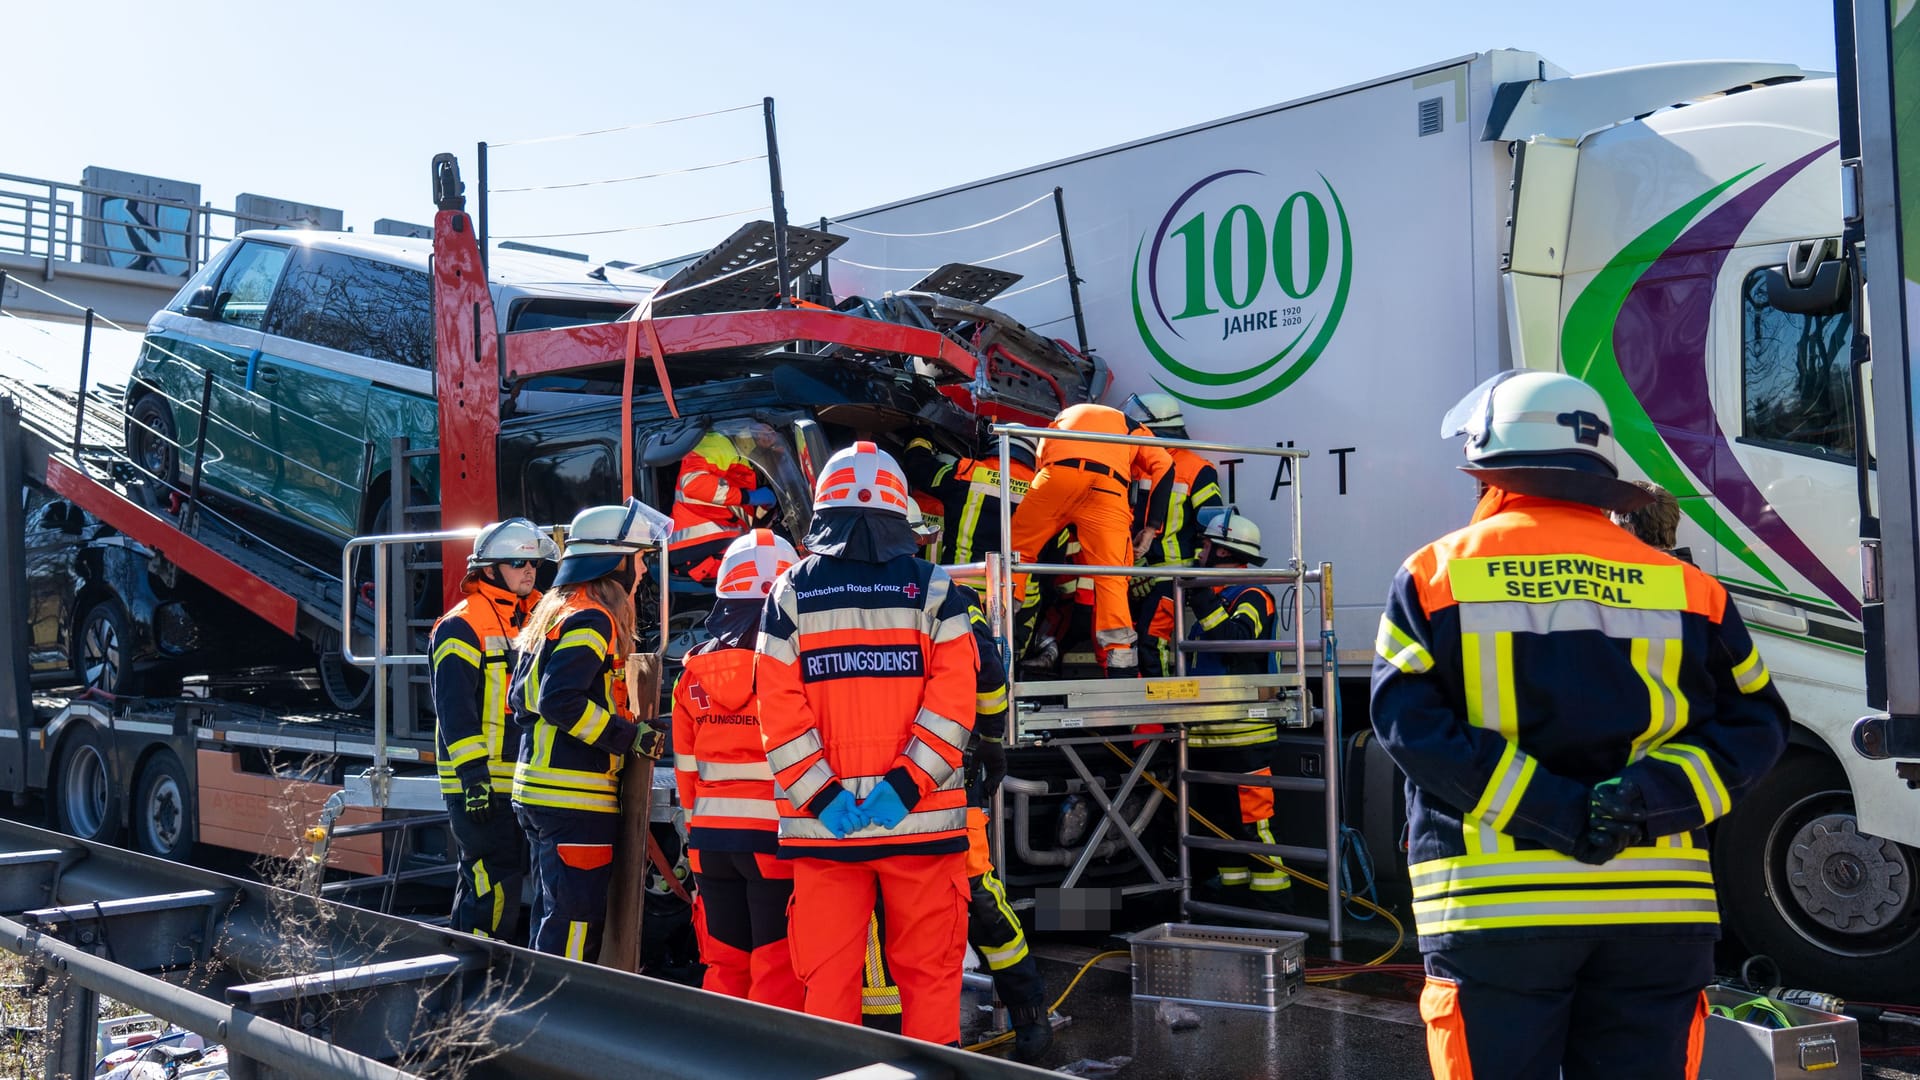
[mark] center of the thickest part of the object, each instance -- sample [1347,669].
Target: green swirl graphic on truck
[1227,262]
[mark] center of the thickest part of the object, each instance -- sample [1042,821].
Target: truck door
[1786,328]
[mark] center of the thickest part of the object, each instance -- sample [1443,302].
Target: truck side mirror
[201,305]
[1811,283]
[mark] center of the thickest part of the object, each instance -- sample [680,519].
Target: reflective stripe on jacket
[574,742]
[1227,613]
[719,761]
[866,677]
[471,655]
[1530,656]
[969,494]
[709,498]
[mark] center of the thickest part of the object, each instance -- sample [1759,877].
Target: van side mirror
[201,305]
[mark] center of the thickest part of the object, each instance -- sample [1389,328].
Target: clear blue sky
[344,103]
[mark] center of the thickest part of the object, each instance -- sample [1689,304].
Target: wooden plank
[269,815]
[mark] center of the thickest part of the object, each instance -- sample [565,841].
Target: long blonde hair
[607,591]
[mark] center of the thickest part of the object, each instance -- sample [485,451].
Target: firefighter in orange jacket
[866,679]
[713,502]
[576,731]
[1085,484]
[720,764]
[1571,709]
[471,651]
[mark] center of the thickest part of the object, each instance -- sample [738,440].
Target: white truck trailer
[1332,273]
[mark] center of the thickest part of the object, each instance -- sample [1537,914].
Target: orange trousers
[925,904]
[740,920]
[1096,506]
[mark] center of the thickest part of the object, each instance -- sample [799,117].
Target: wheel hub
[1844,880]
[163,813]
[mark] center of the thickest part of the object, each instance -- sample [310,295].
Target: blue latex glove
[844,814]
[883,806]
[761,497]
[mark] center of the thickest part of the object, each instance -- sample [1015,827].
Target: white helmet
[751,563]
[1024,449]
[513,540]
[1228,528]
[1158,413]
[862,477]
[1543,433]
[602,537]
[926,532]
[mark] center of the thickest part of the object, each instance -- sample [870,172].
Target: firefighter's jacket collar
[872,536]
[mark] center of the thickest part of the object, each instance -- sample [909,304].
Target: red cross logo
[699,695]
[910,590]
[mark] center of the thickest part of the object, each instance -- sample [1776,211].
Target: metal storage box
[1819,1045]
[1218,965]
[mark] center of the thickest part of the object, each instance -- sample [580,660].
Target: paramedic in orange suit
[1085,484]
[720,764]
[866,678]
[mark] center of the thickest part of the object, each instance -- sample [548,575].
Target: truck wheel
[102,649]
[1837,909]
[163,811]
[348,687]
[85,802]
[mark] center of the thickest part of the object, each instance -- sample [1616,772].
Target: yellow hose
[1057,1002]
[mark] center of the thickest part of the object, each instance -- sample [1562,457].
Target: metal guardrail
[309,988]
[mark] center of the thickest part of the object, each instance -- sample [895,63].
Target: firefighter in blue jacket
[576,730]
[1571,708]
[474,744]
[1226,539]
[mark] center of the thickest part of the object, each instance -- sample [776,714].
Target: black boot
[1032,1032]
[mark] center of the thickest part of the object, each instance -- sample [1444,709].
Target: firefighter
[969,493]
[471,649]
[1657,523]
[713,502]
[1085,484]
[1571,709]
[726,787]
[866,674]
[1194,489]
[576,730]
[1227,613]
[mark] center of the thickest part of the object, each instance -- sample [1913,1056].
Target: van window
[547,313]
[358,306]
[247,284]
[1797,377]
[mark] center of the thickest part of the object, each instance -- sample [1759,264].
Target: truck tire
[1837,910]
[85,801]
[164,821]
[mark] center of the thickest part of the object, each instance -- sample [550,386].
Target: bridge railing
[60,222]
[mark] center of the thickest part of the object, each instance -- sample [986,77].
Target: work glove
[1141,586]
[883,806]
[479,803]
[1619,800]
[761,497]
[843,815]
[650,742]
[991,756]
[1615,822]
